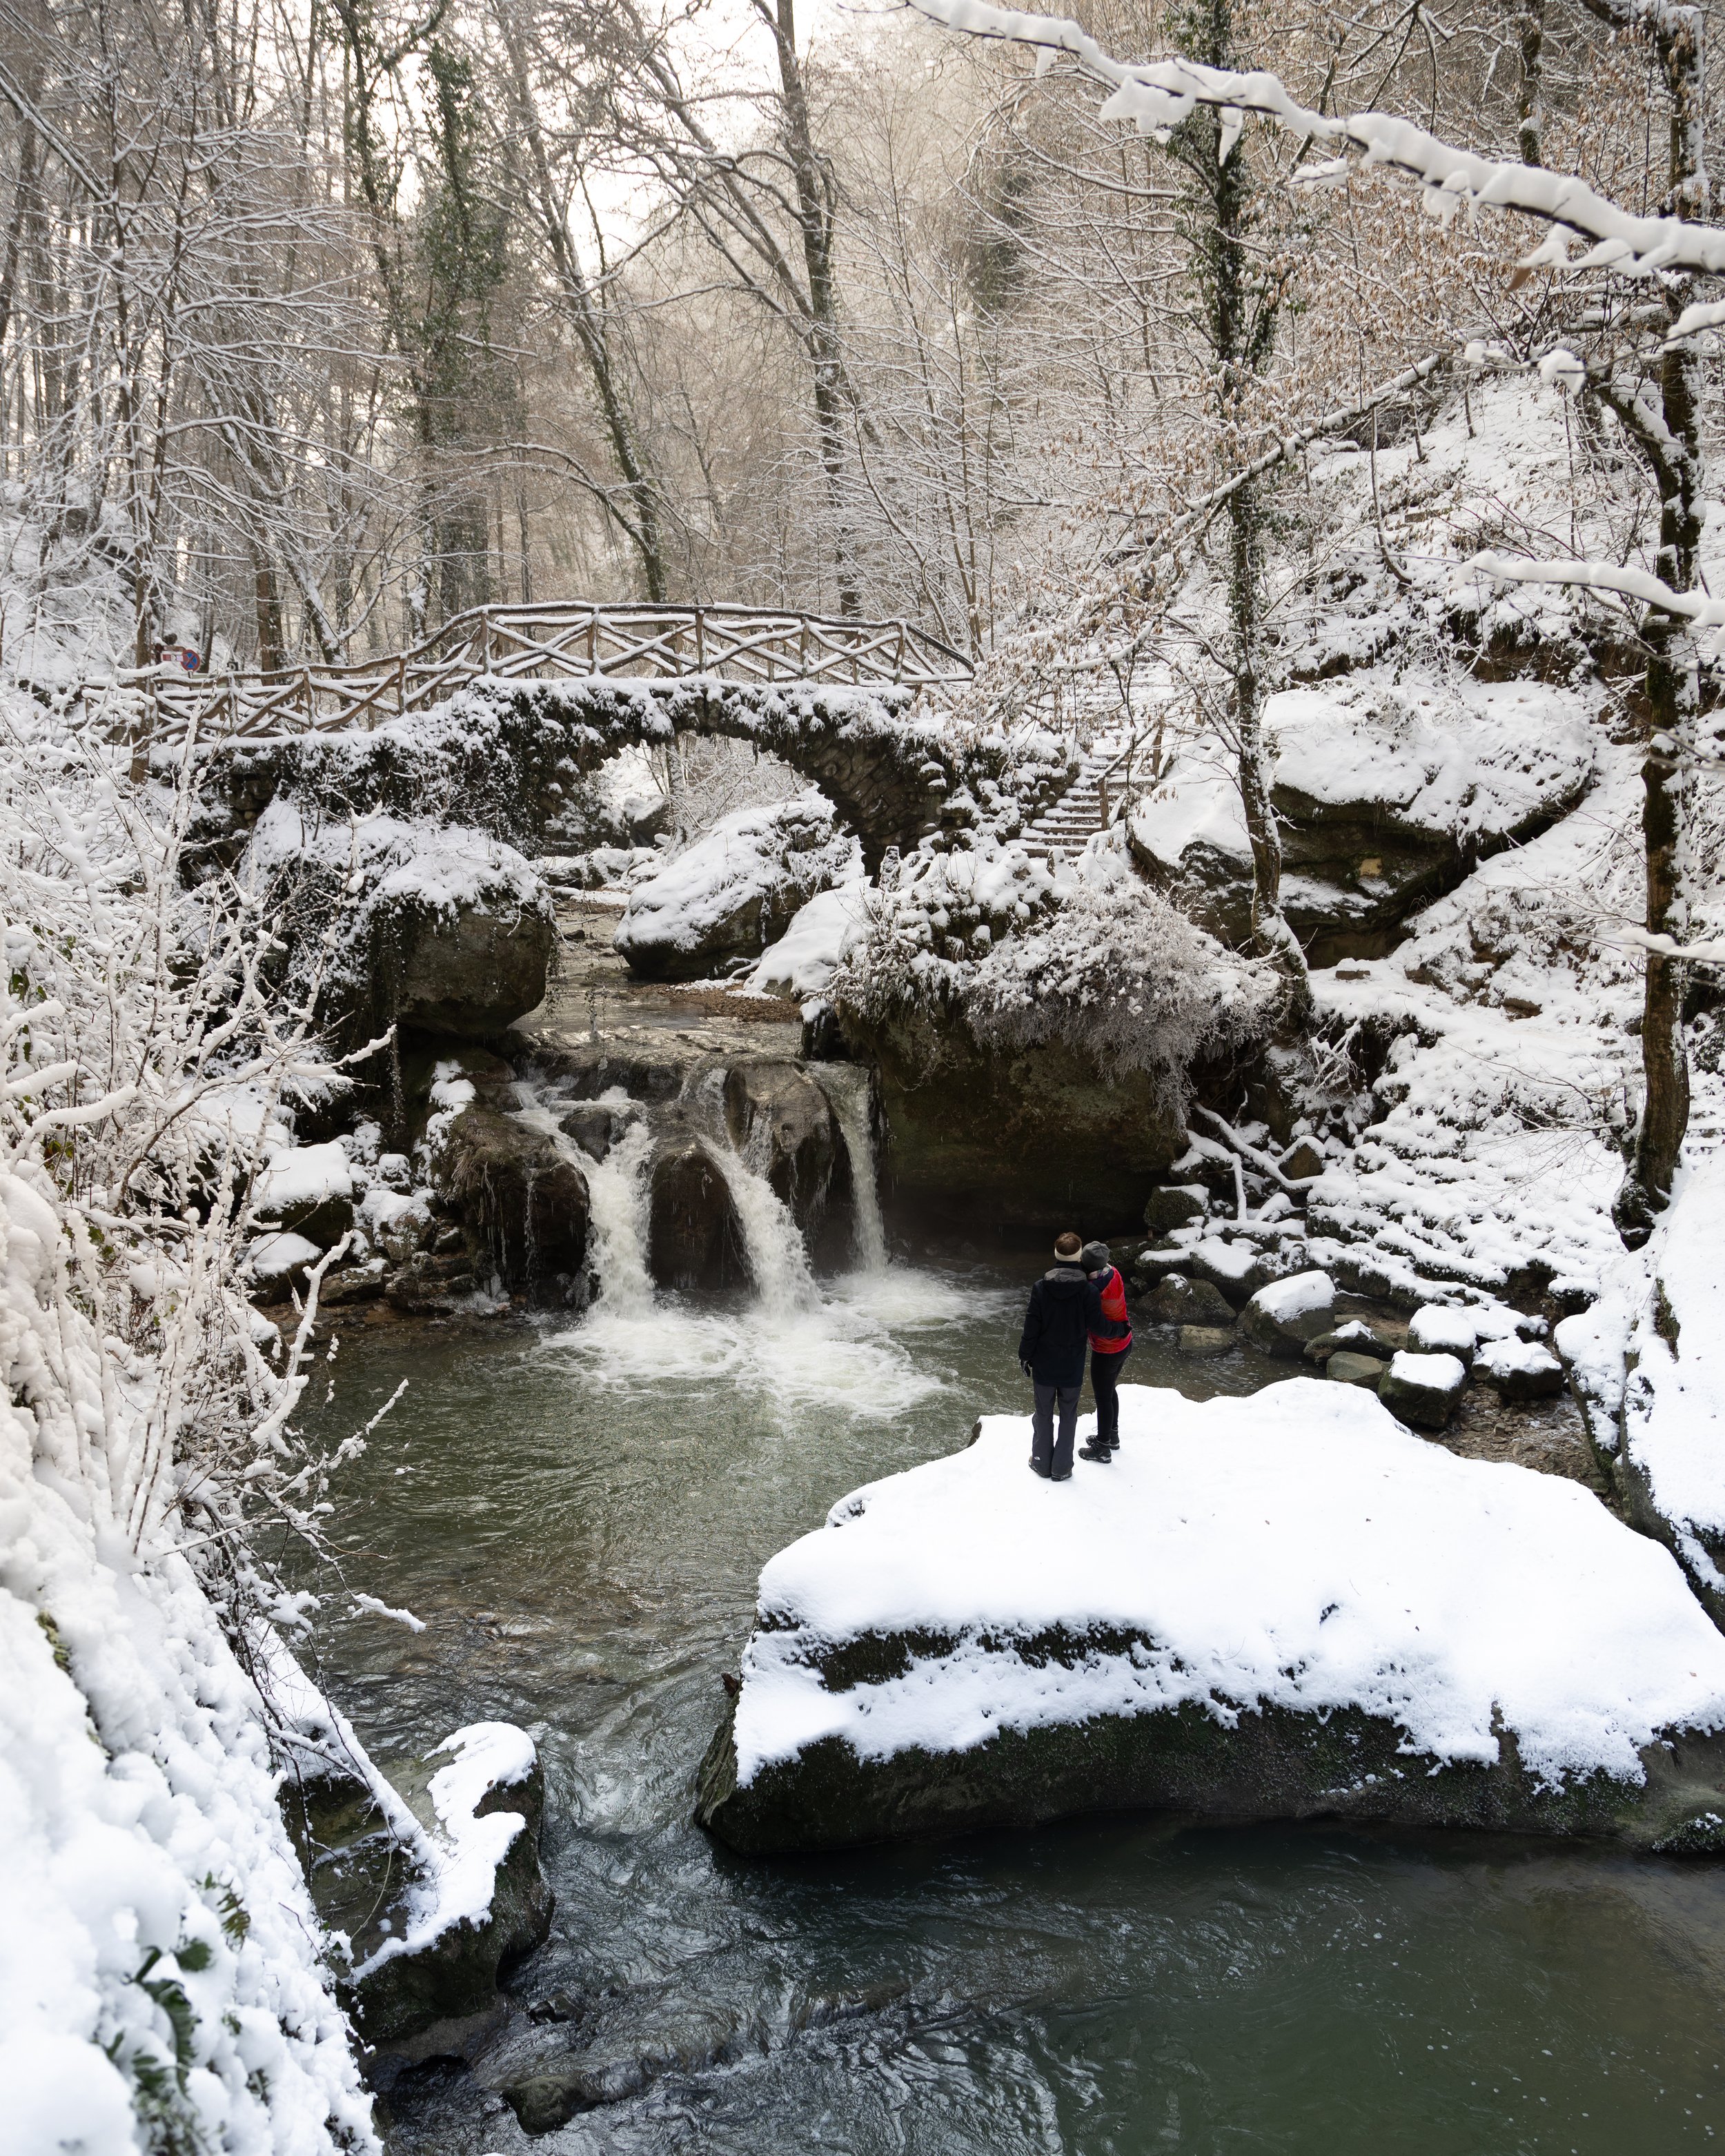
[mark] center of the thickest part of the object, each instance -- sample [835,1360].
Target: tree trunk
[816,211]
[1672,445]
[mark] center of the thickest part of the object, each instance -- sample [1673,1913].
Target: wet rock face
[782,1122]
[694,1237]
[1271,1763]
[468,971]
[1016,1144]
[520,1198]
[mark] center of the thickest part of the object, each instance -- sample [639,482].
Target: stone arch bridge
[859,708]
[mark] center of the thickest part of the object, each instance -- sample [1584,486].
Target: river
[578,1511]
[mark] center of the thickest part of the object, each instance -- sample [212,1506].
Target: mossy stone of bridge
[507,760]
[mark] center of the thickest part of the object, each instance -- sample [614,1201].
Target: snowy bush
[1084,956]
[160,1978]
[1121,978]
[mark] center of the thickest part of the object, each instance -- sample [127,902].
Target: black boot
[1094,1452]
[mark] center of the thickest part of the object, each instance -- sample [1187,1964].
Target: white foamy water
[846,1086]
[772,1241]
[618,1192]
[840,1352]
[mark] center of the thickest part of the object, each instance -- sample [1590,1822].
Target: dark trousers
[1051,1455]
[1104,1382]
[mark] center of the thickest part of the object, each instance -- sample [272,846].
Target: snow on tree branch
[1160,95]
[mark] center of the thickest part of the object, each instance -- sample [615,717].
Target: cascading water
[616,1190]
[772,1241]
[846,1086]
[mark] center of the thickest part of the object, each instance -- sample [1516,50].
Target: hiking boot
[1042,1471]
[1103,1453]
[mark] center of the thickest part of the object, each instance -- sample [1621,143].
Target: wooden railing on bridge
[572,641]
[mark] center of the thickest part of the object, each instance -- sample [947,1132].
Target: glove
[1028,1371]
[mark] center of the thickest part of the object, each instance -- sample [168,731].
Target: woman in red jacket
[1110,1341]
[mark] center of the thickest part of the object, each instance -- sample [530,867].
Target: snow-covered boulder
[1280,1318]
[397,922]
[803,960]
[1279,1606]
[1423,1389]
[1388,787]
[431,1875]
[308,1189]
[1520,1369]
[728,896]
[280,1260]
[1438,1329]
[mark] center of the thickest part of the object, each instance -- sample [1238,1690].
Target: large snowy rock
[727,896]
[1388,791]
[406,922]
[1279,1606]
[434,1877]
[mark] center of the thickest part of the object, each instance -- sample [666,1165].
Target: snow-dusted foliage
[1120,978]
[160,1964]
[1027,953]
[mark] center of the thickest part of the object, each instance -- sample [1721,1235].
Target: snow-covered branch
[1157,96]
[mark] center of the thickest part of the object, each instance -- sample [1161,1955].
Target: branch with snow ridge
[1159,95]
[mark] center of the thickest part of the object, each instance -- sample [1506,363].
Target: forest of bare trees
[320,325]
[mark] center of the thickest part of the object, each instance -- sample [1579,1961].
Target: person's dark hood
[1063,1281]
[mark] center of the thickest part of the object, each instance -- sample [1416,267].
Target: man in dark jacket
[1051,1355]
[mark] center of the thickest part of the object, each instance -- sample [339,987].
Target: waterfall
[846,1086]
[618,1194]
[772,1241]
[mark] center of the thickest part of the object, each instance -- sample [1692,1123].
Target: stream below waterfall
[578,1510]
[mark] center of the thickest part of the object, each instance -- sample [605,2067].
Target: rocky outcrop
[1024,1142]
[1279,1607]
[522,1200]
[782,1122]
[468,969]
[1387,798]
[434,1879]
[694,1238]
[387,922]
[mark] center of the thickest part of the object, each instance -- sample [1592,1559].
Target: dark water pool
[579,1517]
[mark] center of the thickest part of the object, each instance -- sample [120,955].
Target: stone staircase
[1088,803]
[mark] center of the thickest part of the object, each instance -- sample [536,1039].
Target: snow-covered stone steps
[1080,812]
